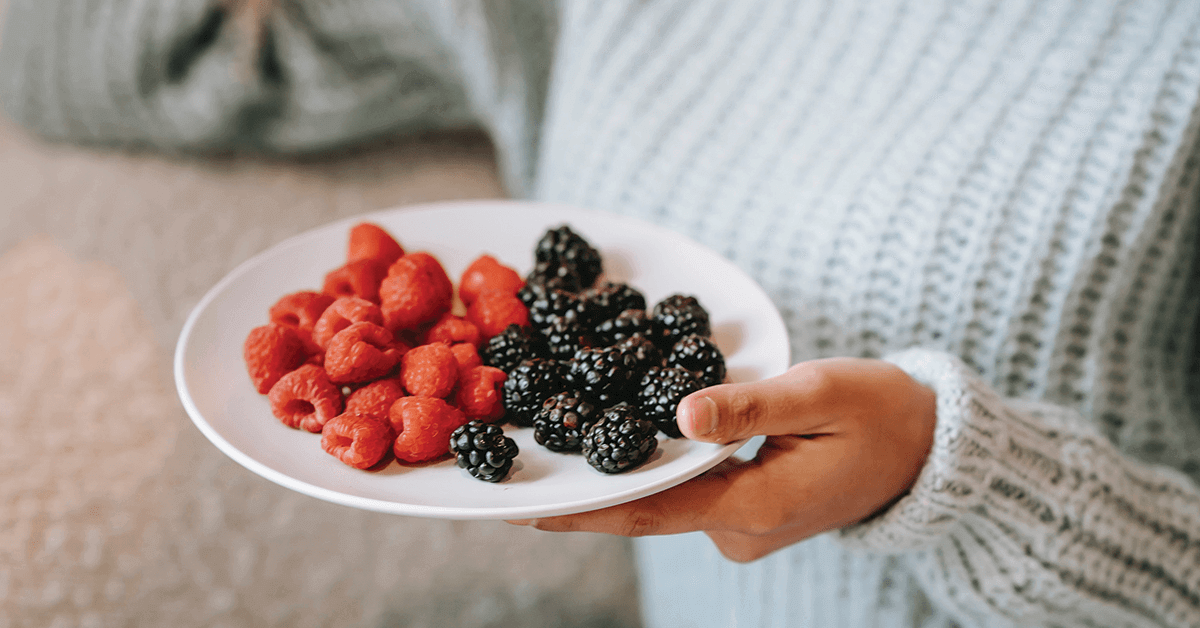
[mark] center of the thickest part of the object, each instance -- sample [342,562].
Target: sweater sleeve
[1025,511]
[306,75]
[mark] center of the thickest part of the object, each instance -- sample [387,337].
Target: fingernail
[520,522]
[702,415]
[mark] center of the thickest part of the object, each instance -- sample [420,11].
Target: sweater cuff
[957,463]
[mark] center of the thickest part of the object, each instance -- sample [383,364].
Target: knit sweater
[999,197]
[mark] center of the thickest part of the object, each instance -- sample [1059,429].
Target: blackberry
[510,347]
[550,304]
[645,353]
[564,336]
[620,440]
[700,356]
[567,250]
[660,392]
[627,324]
[528,385]
[606,301]
[483,450]
[677,316]
[548,276]
[608,375]
[563,420]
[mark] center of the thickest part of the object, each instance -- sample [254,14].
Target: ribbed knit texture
[1001,197]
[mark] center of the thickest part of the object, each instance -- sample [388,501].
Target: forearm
[1026,512]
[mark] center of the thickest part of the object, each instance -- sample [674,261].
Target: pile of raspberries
[379,364]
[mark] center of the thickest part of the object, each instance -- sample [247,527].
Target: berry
[375,399]
[607,375]
[548,305]
[415,292]
[486,274]
[423,425]
[661,390]
[370,241]
[529,384]
[479,396]
[606,301]
[483,450]
[361,352]
[429,370]
[270,352]
[677,316]
[563,420]
[356,279]
[627,324]
[701,356]
[451,329]
[537,282]
[305,399]
[564,336]
[619,441]
[562,248]
[492,312]
[341,314]
[512,346]
[466,356]
[301,310]
[359,440]
[645,353]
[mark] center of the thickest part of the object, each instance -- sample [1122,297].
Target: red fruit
[415,292]
[359,440]
[478,396]
[305,398]
[429,370]
[361,352]
[466,355]
[270,352]
[301,310]
[356,279]
[370,241]
[484,274]
[341,314]
[375,399]
[424,425]
[493,311]
[451,329]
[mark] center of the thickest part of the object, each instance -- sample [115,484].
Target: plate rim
[428,511]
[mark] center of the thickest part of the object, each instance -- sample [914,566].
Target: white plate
[216,391]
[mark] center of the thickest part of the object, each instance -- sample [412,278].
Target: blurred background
[114,509]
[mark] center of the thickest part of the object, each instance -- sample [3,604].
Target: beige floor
[114,510]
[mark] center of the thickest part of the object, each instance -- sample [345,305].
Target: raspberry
[305,398]
[486,274]
[341,314]
[429,370]
[270,352]
[361,352]
[301,310]
[483,450]
[466,355]
[451,329]
[370,241]
[416,291]
[479,396]
[356,279]
[493,311]
[375,399]
[359,440]
[424,425]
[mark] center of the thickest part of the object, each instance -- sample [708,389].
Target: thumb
[786,404]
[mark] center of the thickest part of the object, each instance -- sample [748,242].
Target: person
[979,220]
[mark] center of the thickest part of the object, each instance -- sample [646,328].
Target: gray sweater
[1001,197]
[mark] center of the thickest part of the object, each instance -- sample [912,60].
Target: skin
[846,437]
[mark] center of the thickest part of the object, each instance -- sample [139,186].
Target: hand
[846,437]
